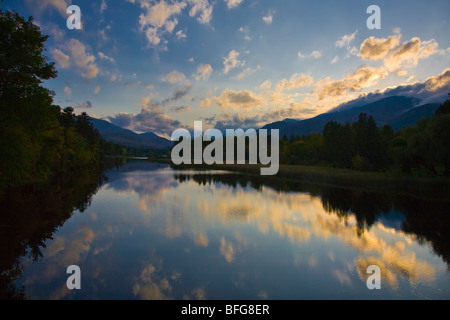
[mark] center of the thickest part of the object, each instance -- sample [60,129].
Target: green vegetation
[364,146]
[37,138]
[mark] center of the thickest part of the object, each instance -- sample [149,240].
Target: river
[147,231]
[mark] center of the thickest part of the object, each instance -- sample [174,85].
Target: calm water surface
[150,232]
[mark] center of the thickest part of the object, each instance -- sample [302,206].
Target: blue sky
[159,65]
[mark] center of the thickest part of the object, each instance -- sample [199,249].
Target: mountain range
[128,138]
[397,111]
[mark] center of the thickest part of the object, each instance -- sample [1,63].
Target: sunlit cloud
[204,71]
[174,77]
[362,78]
[77,55]
[231,61]
[268,18]
[296,81]
[231,99]
[233,3]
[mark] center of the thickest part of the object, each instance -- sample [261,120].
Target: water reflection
[30,215]
[155,233]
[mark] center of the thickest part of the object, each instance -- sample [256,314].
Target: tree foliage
[37,138]
[363,145]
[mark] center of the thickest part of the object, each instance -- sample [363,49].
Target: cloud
[78,56]
[174,77]
[181,34]
[59,5]
[233,3]
[407,55]
[316,54]
[362,78]
[82,59]
[202,8]
[204,71]
[151,118]
[105,57]
[85,105]
[160,18]
[433,89]
[103,6]
[346,39]
[231,61]
[248,71]
[67,91]
[375,49]
[296,81]
[97,90]
[268,19]
[266,85]
[182,109]
[61,58]
[246,33]
[395,55]
[178,94]
[231,99]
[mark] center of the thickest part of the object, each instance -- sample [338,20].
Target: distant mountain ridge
[128,138]
[397,111]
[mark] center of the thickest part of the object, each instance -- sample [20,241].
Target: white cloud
[233,3]
[268,19]
[346,39]
[159,19]
[316,54]
[181,34]
[97,90]
[231,61]
[105,57]
[202,8]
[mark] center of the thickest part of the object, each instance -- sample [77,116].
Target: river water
[151,232]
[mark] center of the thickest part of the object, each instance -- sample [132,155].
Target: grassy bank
[387,182]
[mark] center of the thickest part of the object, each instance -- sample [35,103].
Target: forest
[363,145]
[37,138]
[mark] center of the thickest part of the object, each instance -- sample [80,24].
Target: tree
[27,117]
[444,108]
[37,139]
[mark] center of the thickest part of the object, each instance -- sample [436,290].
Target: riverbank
[387,182]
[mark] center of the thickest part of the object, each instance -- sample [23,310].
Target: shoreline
[385,182]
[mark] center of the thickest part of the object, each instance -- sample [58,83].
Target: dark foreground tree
[37,140]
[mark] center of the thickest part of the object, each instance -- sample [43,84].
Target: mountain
[397,111]
[128,138]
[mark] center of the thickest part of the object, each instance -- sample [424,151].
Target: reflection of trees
[428,219]
[31,214]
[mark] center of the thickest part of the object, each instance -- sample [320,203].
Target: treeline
[363,145]
[37,138]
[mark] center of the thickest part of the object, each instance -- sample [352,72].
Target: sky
[159,65]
